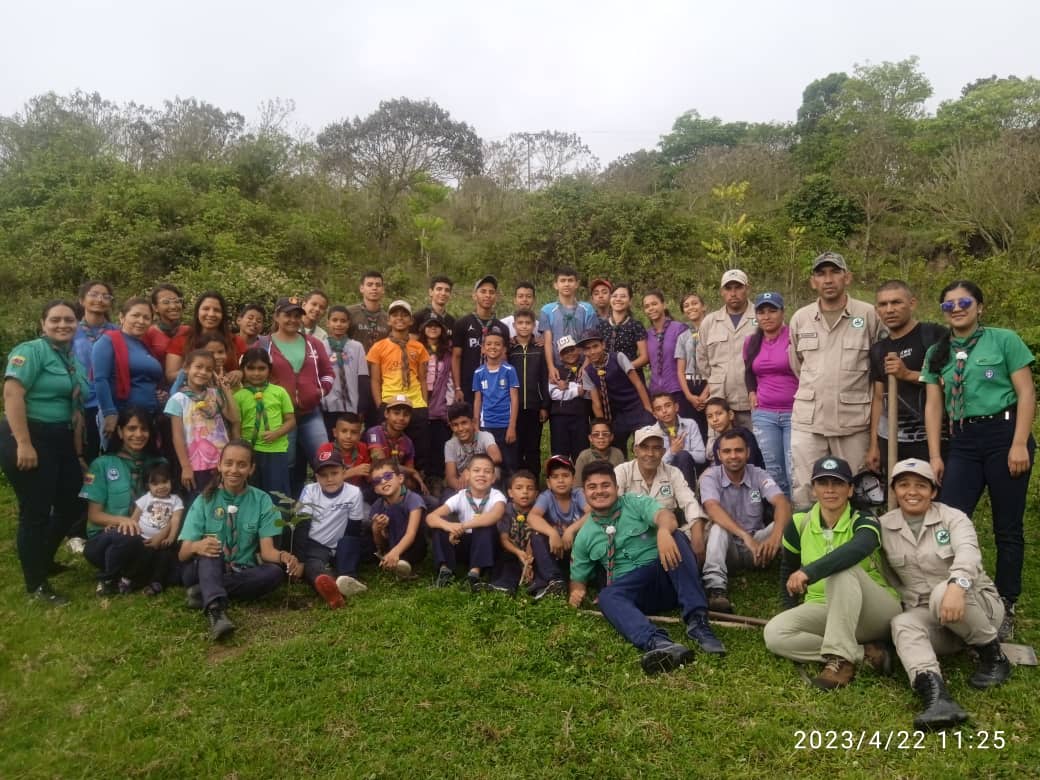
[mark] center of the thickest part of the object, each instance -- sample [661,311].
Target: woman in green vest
[831,556]
[41,442]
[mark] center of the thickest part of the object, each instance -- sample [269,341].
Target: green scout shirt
[635,542]
[277,404]
[987,372]
[54,381]
[254,520]
[806,537]
[109,481]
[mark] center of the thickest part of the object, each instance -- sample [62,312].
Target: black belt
[1008,414]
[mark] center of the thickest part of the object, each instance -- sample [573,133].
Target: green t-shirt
[987,372]
[635,541]
[293,351]
[277,404]
[808,538]
[54,381]
[241,531]
[110,482]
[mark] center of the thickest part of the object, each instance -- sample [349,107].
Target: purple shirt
[664,377]
[776,382]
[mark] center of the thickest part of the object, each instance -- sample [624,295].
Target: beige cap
[400,305]
[648,432]
[913,466]
[563,342]
[734,275]
[399,400]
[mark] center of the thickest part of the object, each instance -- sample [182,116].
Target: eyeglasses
[962,303]
[379,479]
[99,296]
[170,301]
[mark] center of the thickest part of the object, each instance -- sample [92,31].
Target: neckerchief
[963,348]
[136,463]
[261,413]
[660,346]
[64,353]
[203,403]
[613,328]
[168,330]
[392,442]
[604,394]
[230,510]
[608,522]
[338,346]
[477,508]
[93,332]
[521,531]
[406,377]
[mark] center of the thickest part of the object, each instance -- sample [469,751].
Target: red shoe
[326,587]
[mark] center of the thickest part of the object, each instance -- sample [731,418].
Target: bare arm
[933,412]
[642,355]
[375,378]
[1018,454]
[456,367]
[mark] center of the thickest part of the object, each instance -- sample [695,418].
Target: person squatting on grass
[555,520]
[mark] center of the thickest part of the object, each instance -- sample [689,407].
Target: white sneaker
[76,545]
[403,569]
[349,586]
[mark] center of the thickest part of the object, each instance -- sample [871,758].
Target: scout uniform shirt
[635,539]
[113,482]
[833,368]
[669,488]
[54,381]
[720,355]
[947,547]
[743,501]
[239,531]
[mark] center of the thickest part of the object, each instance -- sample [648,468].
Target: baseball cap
[829,466]
[734,275]
[558,461]
[489,279]
[399,400]
[434,318]
[913,466]
[601,282]
[830,258]
[563,342]
[769,299]
[291,303]
[327,456]
[400,305]
[590,335]
[648,432]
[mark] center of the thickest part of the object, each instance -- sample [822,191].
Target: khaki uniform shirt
[720,355]
[948,547]
[833,368]
[669,488]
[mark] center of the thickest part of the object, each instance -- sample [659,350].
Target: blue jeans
[304,439]
[773,431]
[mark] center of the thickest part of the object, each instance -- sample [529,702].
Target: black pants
[529,440]
[48,495]
[568,434]
[418,431]
[440,433]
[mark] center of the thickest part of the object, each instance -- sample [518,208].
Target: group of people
[182,451]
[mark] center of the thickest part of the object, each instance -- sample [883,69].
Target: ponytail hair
[660,296]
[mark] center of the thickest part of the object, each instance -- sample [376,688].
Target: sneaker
[125,585]
[328,589]
[836,673]
[444,578]
[503,589]
[878,656]
[1007,625]
[193,598]
[554,588]
[76,545]
[700,632]
[44,595]
[153,589]
[403,569]
[220,627]
[476,585]
[347,586]
[718,600]
[665,655]
[107,588]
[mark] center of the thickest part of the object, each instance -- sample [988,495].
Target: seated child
[720,419]
[515,565]
[158,514]
[683,445]
[397,516]
[388,441]
[336,510]
[554,521]
[471,537]
[228,541]
[601,437]
[465,442]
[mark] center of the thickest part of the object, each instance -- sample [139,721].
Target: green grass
[408,681]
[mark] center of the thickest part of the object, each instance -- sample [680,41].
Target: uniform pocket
[853,409]
[804,408]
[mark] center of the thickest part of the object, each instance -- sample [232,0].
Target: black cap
[489,279]
[590,335]
[291,303]
[328,455]
[829,466]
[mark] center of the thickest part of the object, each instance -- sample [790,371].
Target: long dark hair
[660,296]
[196,331]
[128,413]
[941,353]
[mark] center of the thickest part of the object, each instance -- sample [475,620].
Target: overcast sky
[616,73]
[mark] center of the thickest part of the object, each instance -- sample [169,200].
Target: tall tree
[534,160]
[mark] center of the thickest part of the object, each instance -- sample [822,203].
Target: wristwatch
[964,582]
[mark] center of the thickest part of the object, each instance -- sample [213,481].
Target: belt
[1006,414]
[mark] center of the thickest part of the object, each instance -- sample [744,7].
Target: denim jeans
[773,432]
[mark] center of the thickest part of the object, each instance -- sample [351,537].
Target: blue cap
[774,299]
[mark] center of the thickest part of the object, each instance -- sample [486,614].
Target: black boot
[220,626]
[665,655]
[992,668]
[940,711]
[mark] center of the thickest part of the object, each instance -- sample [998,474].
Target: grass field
[408,681]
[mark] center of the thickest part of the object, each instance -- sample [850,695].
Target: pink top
[776,382]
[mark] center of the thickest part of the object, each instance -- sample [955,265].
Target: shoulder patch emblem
[18,361]
[88,478]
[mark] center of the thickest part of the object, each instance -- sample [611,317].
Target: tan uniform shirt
[720,355]
[833,368]
[669,488]
[948,547]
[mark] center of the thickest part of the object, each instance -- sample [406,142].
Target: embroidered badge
[18,360]
[942,536]
[756,497]
[754,322]
[112,474]
[88,478]
[830,463]
[989,373]
[857,322]
[324,455]
[219,512]
[666,490]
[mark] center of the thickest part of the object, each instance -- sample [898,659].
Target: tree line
[200,196]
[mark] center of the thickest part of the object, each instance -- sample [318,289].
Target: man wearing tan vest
[720,346]
[830,353]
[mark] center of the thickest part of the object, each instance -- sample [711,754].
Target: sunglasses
[962,303]
[379,479]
